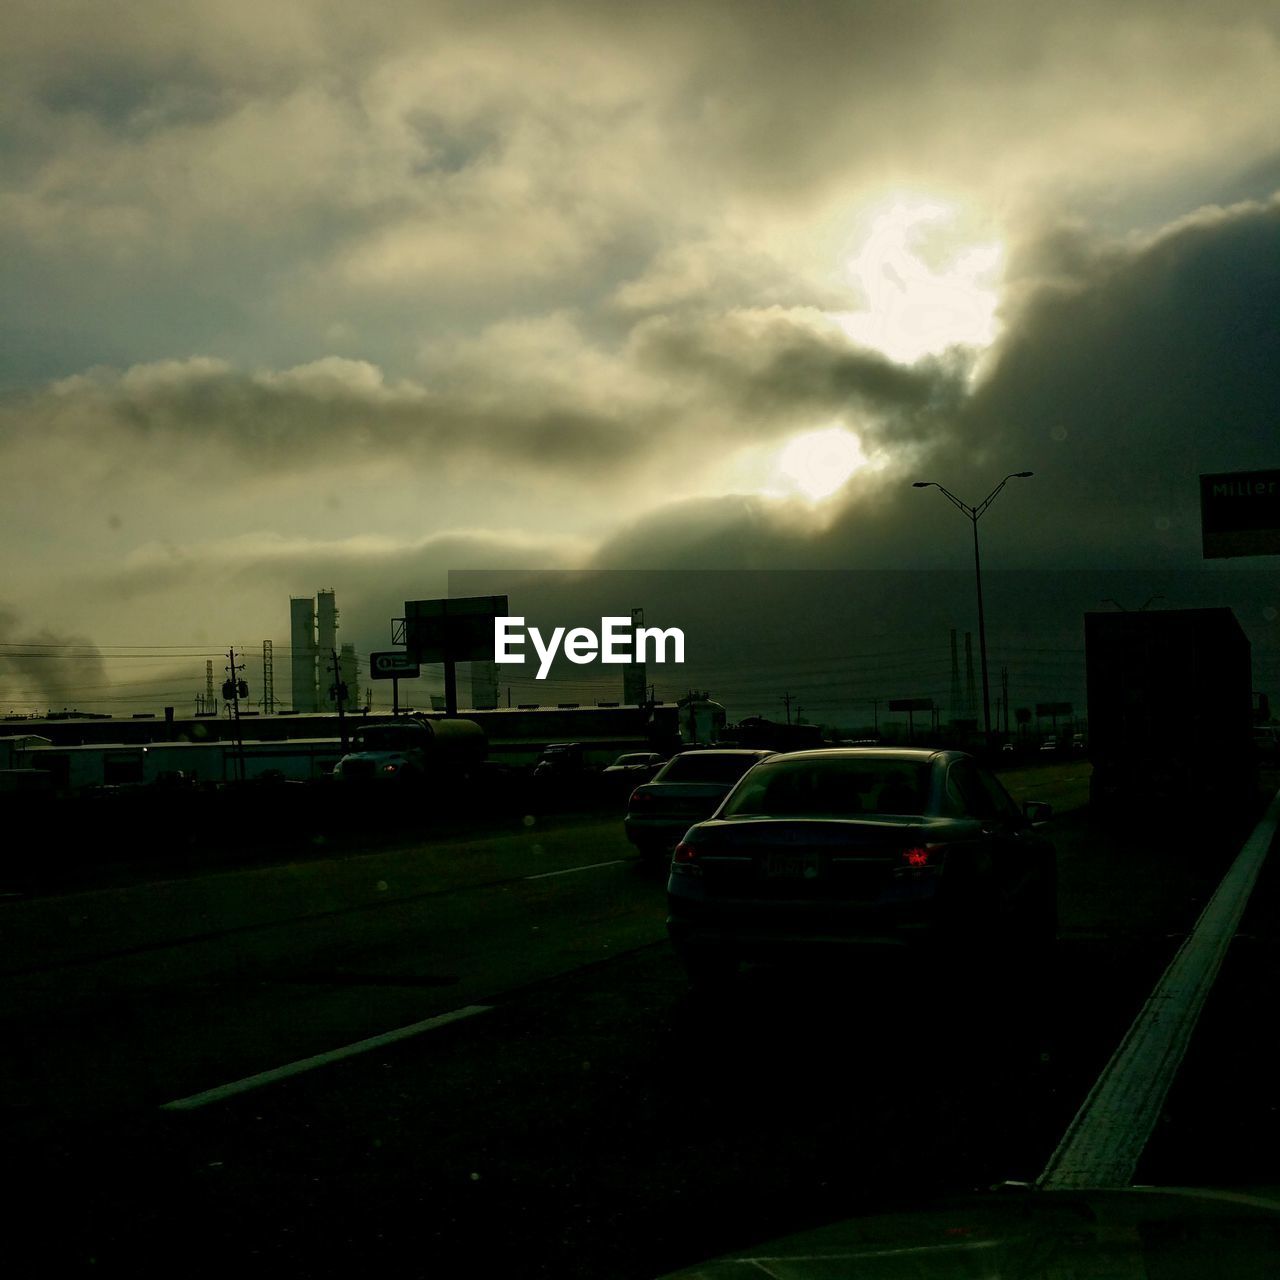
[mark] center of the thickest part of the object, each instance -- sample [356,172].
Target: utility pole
[1004,687]
[974,514]
[233,689]
[786,701]
[338,692]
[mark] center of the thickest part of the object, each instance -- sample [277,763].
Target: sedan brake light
[684,861]
[918,858]
[638,796]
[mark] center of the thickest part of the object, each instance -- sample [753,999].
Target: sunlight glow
[817,463]
[913,310]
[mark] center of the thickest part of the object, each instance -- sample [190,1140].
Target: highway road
[204,1063]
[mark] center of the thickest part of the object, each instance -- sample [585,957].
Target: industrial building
[313,637]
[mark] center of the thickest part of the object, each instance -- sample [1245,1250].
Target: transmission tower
[210,703]
[268,680]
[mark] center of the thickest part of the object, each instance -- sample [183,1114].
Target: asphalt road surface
[586,1117]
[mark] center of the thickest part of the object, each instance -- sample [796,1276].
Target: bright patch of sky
[911,309]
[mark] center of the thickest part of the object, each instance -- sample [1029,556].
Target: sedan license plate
[790,866]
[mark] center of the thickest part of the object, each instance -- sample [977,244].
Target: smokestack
[302,661]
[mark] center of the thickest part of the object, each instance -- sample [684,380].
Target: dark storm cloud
[41,666]
[311,418]
[1138,369]
[1129,369]
[771,365]
[734,377]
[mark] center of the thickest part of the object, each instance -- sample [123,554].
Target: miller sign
[1240,514]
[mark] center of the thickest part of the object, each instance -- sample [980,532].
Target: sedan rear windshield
[708,768]
[833,788]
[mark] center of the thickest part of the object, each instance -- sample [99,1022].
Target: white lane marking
[591,866]
[1104,1142]
[320,1060]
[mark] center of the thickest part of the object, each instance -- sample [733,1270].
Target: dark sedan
[861,847]
[635,766]
[689,787]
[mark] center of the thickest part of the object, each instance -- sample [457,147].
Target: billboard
[459,630]
[1240,514]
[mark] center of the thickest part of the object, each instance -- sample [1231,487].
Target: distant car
[850,848]
[560,760]
[687,788]
[635,765]
[1049,746]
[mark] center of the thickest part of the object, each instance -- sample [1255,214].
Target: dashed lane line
[568,871]
[224,1091]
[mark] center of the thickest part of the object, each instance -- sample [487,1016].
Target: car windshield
[833,787]
[711,767]
[632,759]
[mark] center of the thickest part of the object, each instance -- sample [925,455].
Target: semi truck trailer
[1170,711]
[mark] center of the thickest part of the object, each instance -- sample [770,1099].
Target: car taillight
[919,858]
[684,861]
[638,797]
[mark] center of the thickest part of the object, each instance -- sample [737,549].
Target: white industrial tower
[484,685]
[302,661]
[314,627]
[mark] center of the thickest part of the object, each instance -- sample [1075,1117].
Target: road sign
[393,665]
[910,704]
[1240,514]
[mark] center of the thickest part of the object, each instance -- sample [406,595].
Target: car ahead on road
[850,847]
[561,760]
[687,788]
[635,766]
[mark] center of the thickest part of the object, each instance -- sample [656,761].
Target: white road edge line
[224,1091]
[591,866]
[1104,1142]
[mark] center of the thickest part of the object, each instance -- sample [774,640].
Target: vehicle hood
[1129,1234]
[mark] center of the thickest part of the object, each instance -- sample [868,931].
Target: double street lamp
[975,514]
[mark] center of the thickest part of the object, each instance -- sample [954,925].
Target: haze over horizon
[305,296]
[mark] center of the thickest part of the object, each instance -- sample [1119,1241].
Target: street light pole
[975,514]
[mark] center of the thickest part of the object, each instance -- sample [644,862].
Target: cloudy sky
[307,294]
